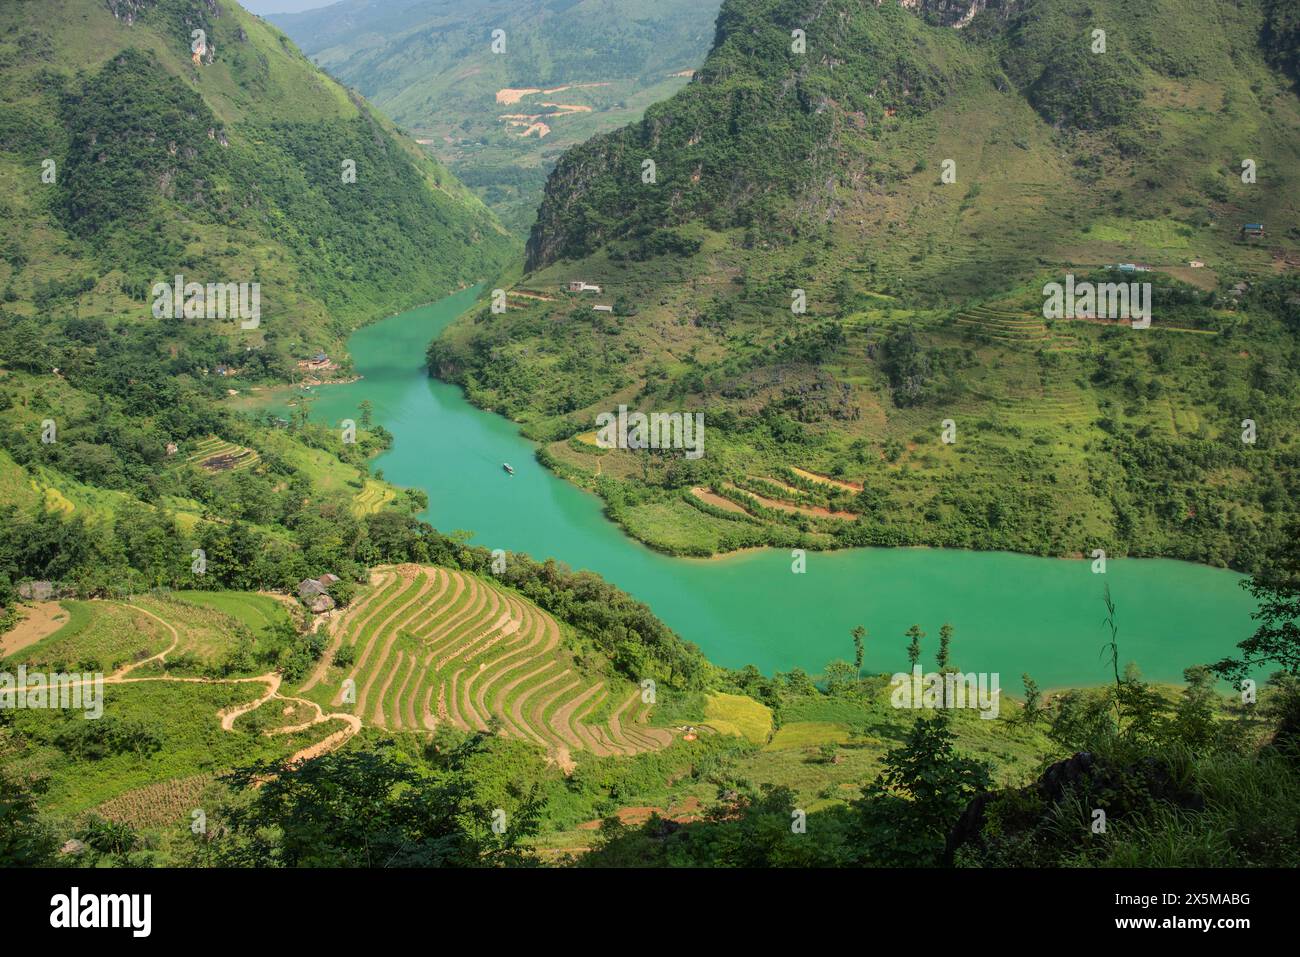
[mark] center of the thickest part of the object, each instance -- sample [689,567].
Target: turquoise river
[1011,613]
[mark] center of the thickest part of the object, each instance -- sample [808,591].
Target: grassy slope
[829,181]
[182,716]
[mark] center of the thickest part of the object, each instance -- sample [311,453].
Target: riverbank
[1011,613]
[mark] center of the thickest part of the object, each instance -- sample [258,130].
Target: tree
[1083,720]
[367,411]
[798,683]
[1193,720]
[25,839]
[945,640]
[914,649]
[859,636]
[112,840]
[840,677]
[377,808]
[1277,639]
[1111,648]
[905,815]
[1033,699]
[753,830]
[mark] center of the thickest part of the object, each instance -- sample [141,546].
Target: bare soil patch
[827,480]
[43,619]
[710,497]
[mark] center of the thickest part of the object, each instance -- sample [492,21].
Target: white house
[578,285]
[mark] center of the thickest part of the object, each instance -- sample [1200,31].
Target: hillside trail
[228,716]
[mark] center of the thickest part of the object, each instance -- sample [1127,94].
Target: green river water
[1012,613]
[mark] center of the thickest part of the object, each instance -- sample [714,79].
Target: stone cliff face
[956,13]
[128,11]
[584,206]
[559,222]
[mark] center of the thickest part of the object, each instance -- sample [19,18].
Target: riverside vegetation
[467,708]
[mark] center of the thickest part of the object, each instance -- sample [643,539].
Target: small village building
[603,308]
[309,588]
[1252,231]
[320,362]
[171,448]
[314,593]
[579,285]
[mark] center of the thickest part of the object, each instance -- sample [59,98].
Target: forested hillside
[147,145]
[833,244]
[500,113]
[227,165]
[837,237]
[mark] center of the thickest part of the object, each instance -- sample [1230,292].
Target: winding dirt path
[228,716]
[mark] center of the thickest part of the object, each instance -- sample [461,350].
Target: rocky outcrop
[128,11]
[956,13]
[1117,790]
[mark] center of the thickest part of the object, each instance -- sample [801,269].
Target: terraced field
[372,498]
[433,647]
[1012,327]
[217,455]
[1052,407]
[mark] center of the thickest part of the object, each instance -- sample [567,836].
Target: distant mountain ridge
[431,65]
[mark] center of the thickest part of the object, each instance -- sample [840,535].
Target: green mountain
[916,174]
[567,70]
[145,140]
[225,165]
[171,519]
